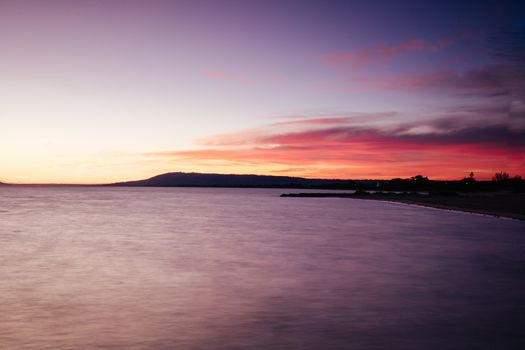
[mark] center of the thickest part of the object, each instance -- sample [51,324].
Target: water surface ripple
[175,268]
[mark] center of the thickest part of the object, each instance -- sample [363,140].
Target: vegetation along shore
[504,196]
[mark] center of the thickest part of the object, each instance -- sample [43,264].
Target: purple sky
[98,91]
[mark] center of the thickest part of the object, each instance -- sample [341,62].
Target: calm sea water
[175,268]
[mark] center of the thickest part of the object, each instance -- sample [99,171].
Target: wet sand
[496,204]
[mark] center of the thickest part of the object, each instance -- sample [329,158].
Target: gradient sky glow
[102,91]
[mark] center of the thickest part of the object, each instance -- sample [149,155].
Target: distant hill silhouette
[415,183]
[180,179]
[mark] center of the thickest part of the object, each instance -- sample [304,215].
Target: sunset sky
[102,91]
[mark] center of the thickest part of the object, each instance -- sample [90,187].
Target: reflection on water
[137,268]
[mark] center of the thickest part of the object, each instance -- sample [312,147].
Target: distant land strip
[509,205]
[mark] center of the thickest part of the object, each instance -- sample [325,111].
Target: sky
[114,90]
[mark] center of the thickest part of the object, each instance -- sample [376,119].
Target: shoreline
[499,205]
[458,209]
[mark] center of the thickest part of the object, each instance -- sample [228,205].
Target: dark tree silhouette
[419,178]
[468,182]
[500,177]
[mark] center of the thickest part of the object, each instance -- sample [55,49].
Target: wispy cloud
[380,53]
[484,132]
[256,136]
[439,147]
[500,77]
[343,118]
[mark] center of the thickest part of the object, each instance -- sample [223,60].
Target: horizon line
[225,174]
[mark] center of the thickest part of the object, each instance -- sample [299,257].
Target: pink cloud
[406,81]
[380,53]
[477,81]
[351,118]
[353,151]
